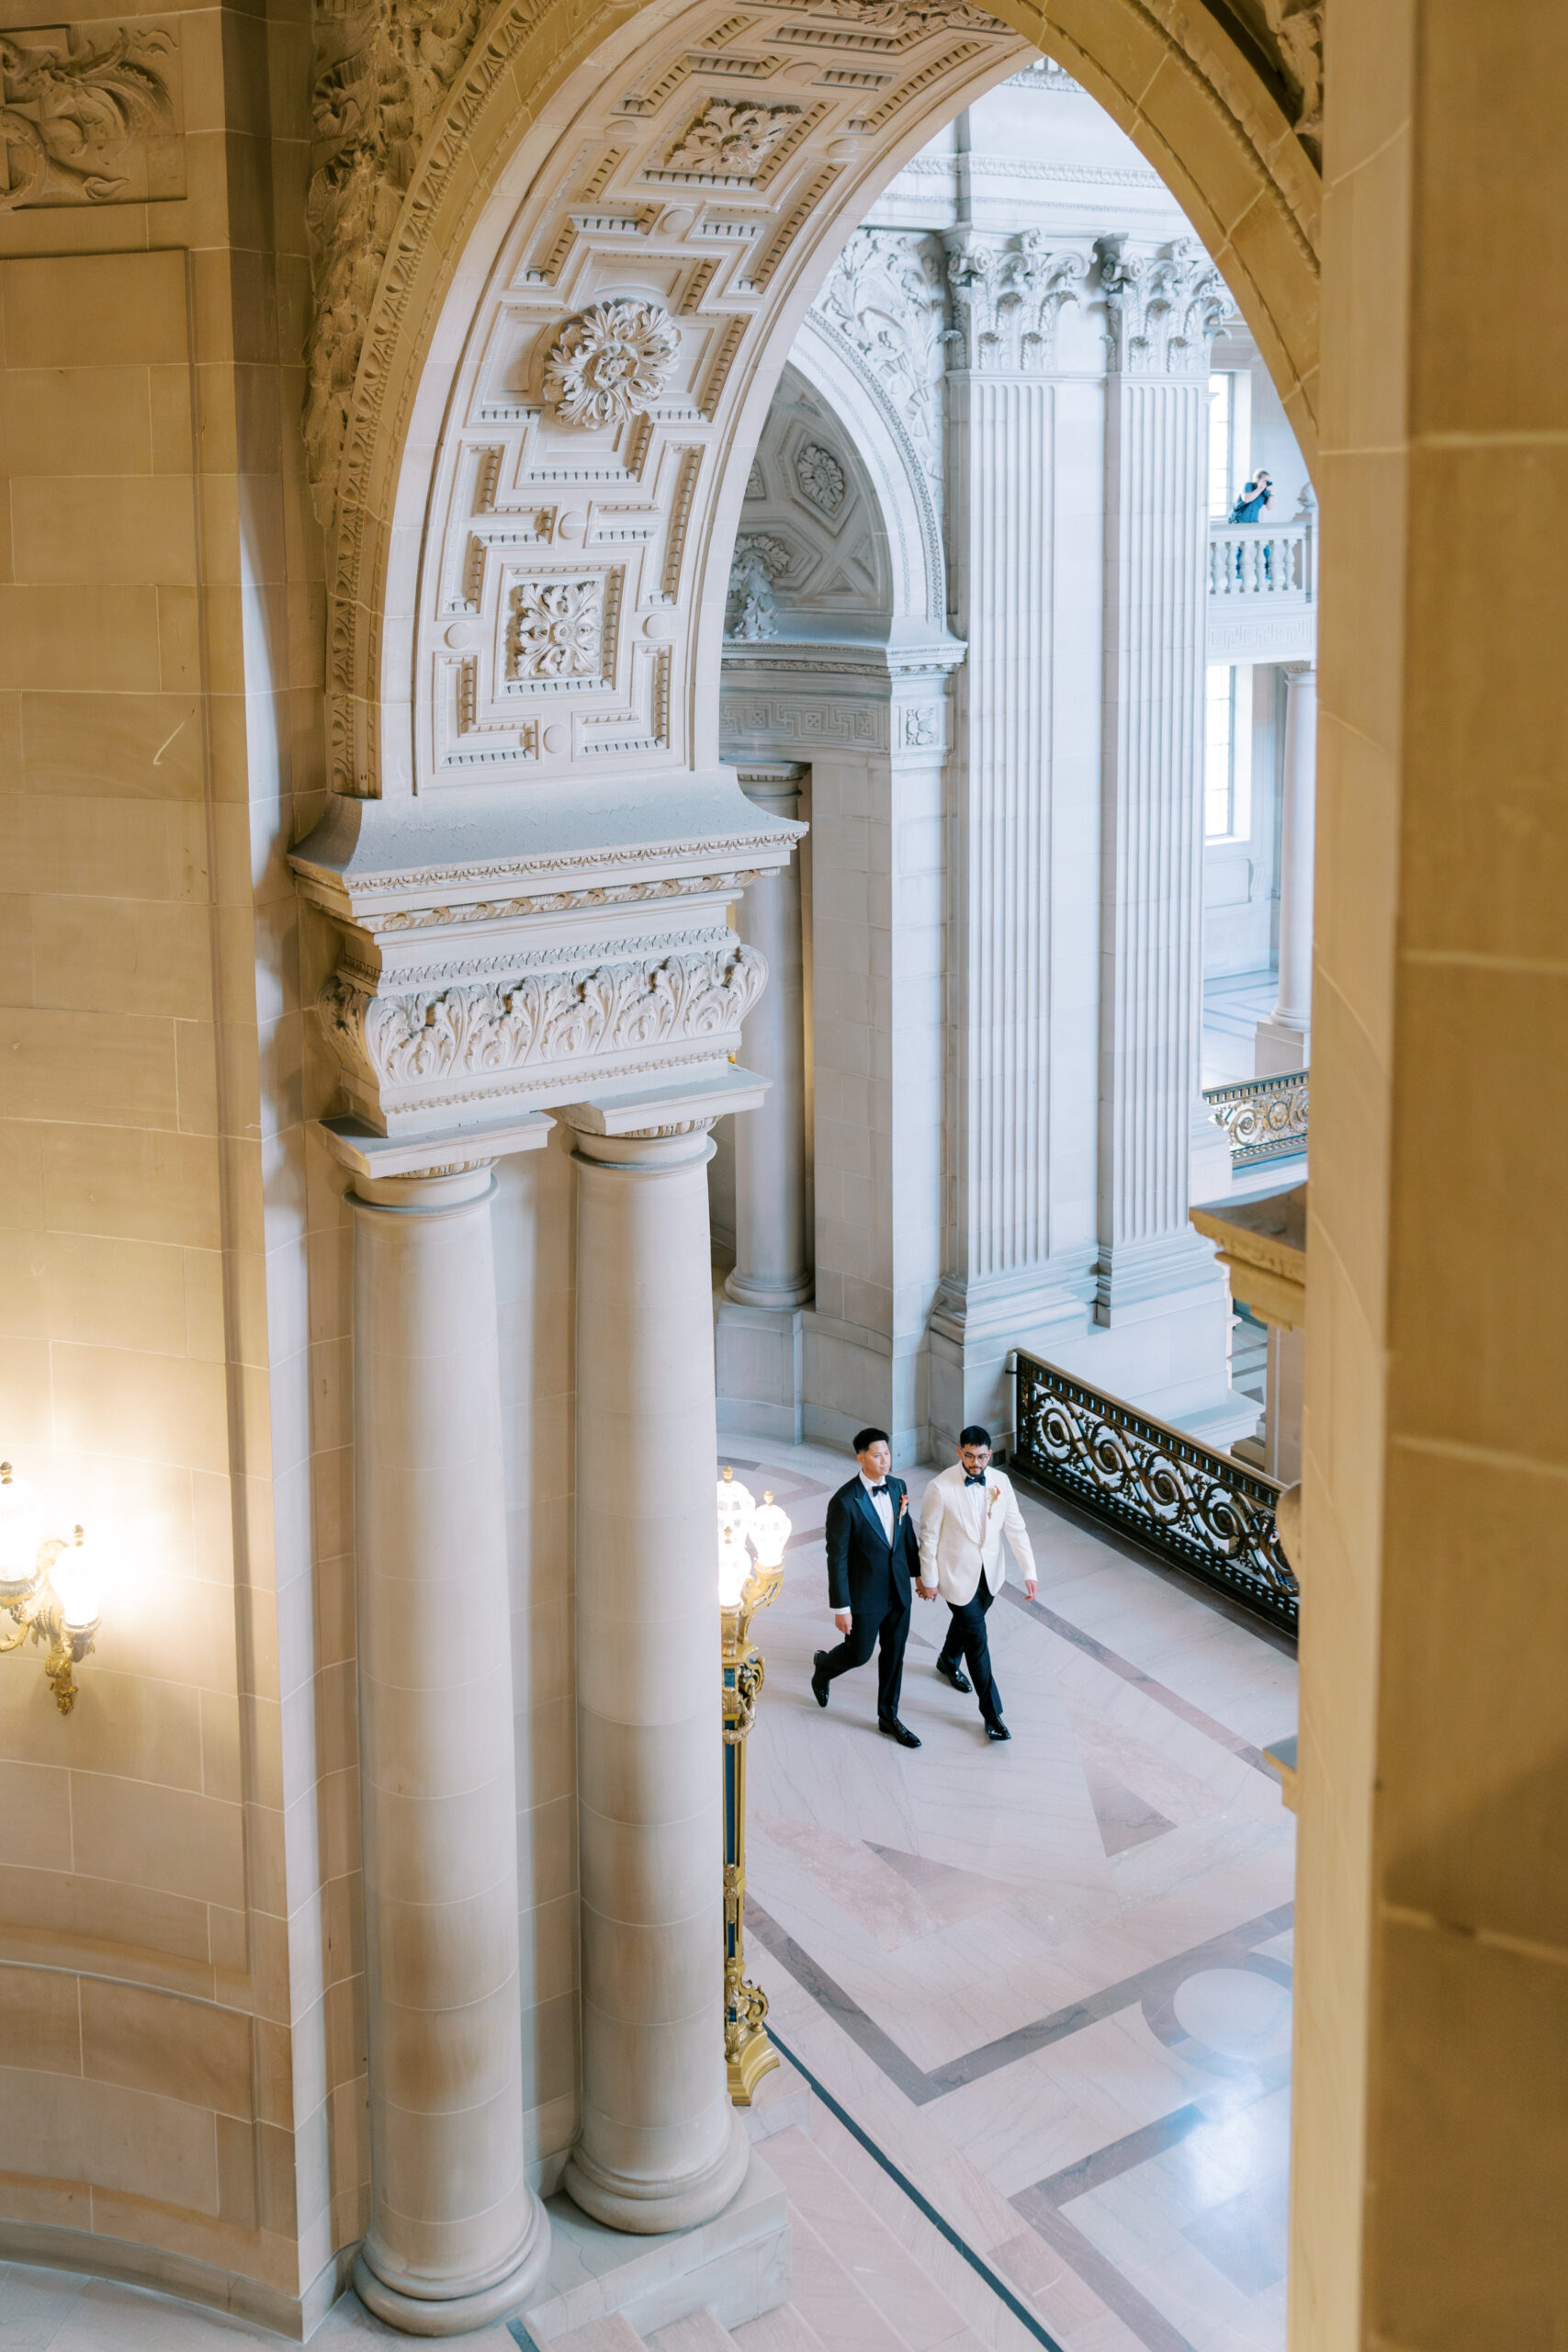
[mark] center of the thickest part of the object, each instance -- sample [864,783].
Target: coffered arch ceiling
[560,258]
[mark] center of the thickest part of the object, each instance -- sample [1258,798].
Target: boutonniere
[903,1506]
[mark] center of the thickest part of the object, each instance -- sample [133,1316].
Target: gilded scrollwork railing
[1263,1118]
[1201,1511]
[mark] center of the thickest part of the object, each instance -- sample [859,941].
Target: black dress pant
[887,1637]
[966,1636]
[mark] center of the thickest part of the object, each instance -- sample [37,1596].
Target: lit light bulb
[21,1532]
[771,1529]
[77,1576]
[737,1508]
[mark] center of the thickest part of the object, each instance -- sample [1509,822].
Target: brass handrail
[1199,1510]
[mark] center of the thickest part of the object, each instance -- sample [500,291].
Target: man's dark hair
[863,1438]
[973,1435]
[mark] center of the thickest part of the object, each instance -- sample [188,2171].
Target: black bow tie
[882,1490]
[974,1479]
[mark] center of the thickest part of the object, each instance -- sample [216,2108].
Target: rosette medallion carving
[611,363]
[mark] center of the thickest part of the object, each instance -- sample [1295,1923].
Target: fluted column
[1162,311]
[1005,429]
[772,1243]
[1284,1040]
[662,2147]
[456,2237]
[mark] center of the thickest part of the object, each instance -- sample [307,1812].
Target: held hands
[926,1591]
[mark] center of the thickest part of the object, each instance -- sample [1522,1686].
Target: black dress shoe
[956,1676]
[997,1731]
[900,1732]
[818,1680]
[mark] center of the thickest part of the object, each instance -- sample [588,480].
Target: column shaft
[662,2147]
[455,2235]
[1163,312]
[772,1245]
[1283,1041]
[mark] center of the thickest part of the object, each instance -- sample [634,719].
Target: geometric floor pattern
[1051,1979]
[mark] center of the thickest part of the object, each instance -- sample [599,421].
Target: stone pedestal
[662,2147]
[456,2237]
[1284,1040]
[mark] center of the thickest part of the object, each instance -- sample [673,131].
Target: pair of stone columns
[456,2236]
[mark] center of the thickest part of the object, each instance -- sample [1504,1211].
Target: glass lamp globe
[21,1532]
[771,1532]
[77,1576]
[737,1508]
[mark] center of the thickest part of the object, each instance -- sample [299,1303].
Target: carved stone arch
[843,377]
[707,166]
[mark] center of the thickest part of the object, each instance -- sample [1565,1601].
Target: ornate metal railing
[1262,559]
[1199,1510]
[1263,1118]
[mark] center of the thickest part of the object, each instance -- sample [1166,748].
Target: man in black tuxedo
[872,1558]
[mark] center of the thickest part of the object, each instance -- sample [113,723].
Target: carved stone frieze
[1163,310]
[88,119]
[1007,296]
[1297,27]
[428,1050]
[611,363]
[383,69]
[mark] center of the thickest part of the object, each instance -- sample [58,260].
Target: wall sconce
[743,1590]
[50,1587]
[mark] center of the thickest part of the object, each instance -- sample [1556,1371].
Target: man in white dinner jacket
[967,1514]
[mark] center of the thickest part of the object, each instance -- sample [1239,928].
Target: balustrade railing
[1255,560]
[1263,1118]
[1199,1510]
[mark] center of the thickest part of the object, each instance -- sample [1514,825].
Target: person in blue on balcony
[1256,495]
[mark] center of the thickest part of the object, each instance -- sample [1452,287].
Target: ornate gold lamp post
[49,1586]
[743,1590]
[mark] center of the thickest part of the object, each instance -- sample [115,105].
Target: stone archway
[479,185]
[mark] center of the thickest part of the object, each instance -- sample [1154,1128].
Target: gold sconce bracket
[50,1601]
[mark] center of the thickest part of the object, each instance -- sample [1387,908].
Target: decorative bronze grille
[1199,1510]
[1263,1118]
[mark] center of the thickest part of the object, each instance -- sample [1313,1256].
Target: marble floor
[1051,1980]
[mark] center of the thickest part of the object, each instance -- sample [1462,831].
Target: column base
[624,2204]
[783,1296]
[1280,1047]
[457,2314]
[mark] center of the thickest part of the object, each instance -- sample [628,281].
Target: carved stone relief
[434,1050]
[89,117]
[731,139]
[886,296]
[1007,296]
[611,363]
[821,477]
[557,629]
[1163,310]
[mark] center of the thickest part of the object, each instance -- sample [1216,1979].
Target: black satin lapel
[870,1509]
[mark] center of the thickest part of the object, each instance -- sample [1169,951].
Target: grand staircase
[870,2272]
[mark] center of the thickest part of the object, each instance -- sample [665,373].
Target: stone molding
[1163,310]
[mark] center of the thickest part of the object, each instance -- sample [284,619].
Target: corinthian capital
[1006,294]
[1163,310]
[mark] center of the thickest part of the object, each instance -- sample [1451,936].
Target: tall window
[1221,442]
[1227,752]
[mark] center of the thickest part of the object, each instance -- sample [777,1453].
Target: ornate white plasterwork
[1008,294]
[1163,310]
[821,477]
[731,139]
[885,296]
[424,1053]
[88,116]
[611,363]
[557,629]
